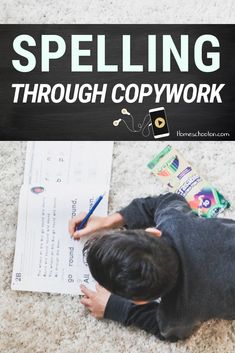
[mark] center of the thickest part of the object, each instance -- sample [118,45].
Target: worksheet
[47,259]
[61,180]
[68,162]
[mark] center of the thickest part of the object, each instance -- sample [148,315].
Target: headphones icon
[141,127]
[124,111]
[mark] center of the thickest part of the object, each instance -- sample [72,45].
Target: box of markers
[182,178]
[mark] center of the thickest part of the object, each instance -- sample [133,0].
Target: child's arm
[102,304]
[124,311]
[140,212]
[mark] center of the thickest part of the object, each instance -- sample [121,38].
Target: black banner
[117,82]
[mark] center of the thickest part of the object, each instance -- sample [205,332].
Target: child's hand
[94,224]
[95,301]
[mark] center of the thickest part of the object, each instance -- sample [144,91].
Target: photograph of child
[167,252]
[164,275]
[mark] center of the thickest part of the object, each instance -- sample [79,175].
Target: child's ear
[154,231]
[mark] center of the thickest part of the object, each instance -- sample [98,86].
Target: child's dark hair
[132,263]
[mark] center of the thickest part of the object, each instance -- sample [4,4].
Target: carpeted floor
[32,322]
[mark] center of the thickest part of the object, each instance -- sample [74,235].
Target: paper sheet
[46,258]
[68,162]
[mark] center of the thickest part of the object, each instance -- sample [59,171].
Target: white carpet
[32,322]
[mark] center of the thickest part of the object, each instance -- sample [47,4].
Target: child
[187,261]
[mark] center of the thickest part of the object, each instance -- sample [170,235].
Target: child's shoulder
[173,202]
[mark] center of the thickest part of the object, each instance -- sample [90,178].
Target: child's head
[132,263]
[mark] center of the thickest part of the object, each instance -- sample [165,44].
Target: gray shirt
[206,248]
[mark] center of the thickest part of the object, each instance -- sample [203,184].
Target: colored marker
[84,221]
